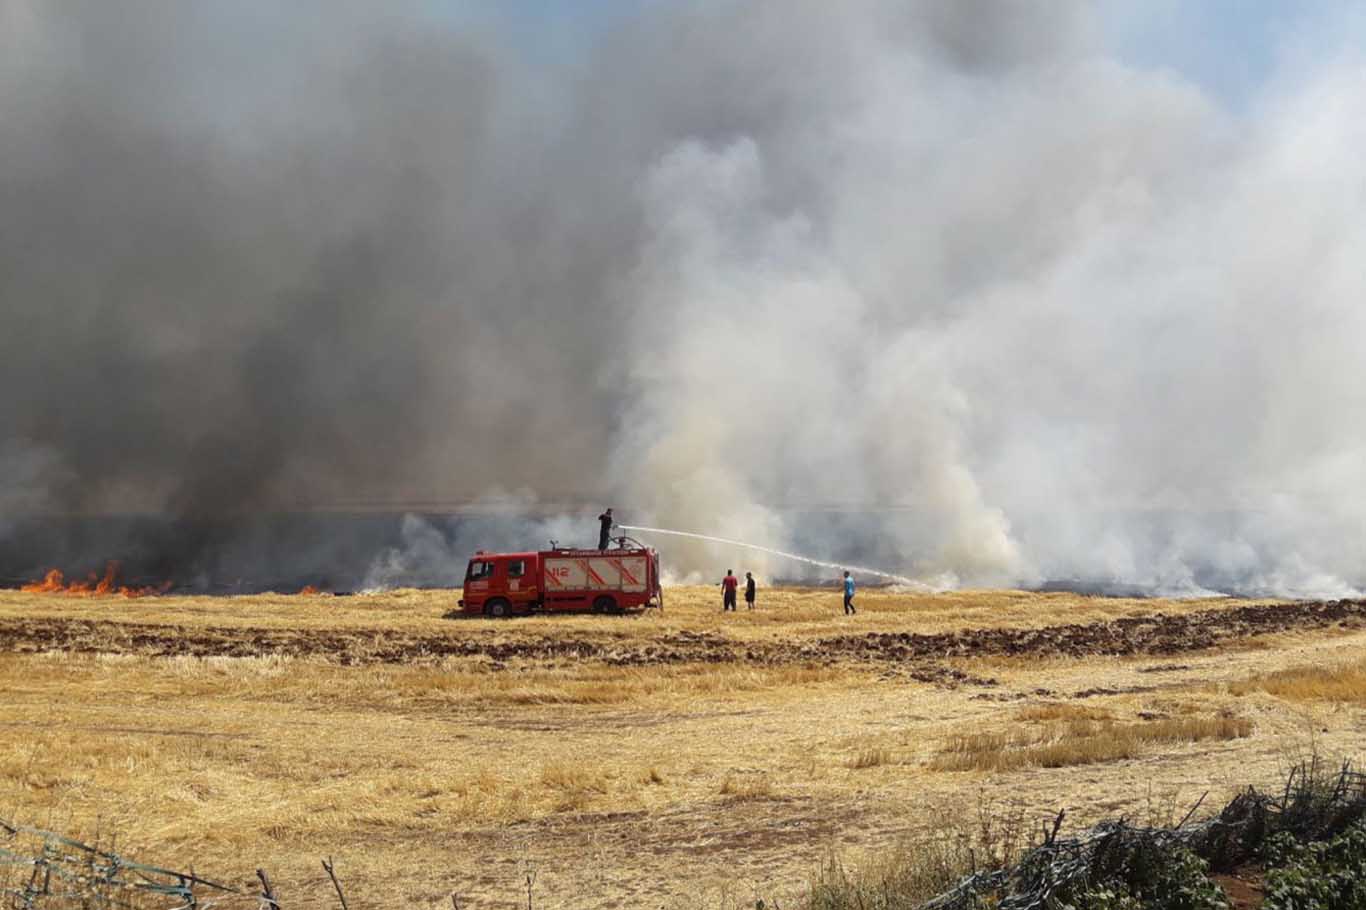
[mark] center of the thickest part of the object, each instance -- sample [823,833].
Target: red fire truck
[615,580]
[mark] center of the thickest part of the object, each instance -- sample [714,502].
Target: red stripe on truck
[591,574]
[622,569]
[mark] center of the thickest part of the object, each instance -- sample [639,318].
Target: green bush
[1154,878]
[1322,875]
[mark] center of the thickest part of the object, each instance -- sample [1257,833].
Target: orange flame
[309,589]
[54,582]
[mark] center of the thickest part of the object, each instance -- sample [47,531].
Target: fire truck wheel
[498,608]
[604,604]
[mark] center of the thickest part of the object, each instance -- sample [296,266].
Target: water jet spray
[861,570]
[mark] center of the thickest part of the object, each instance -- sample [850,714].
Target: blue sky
[1228,47]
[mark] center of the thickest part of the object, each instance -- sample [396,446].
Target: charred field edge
[1153,634]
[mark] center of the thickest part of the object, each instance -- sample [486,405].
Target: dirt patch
[945,677]
[1105,690]
[1243,887]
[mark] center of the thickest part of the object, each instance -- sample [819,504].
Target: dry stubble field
[687,758]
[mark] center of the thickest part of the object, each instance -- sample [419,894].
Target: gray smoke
[1032,313]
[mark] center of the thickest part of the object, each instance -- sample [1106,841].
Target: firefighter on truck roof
[605,520]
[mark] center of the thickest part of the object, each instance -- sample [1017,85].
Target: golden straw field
[683,758]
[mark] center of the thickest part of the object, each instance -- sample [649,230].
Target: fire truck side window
[517,569]
[479,569]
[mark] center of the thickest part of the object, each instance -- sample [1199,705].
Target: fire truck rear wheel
[498,608]
[604,604]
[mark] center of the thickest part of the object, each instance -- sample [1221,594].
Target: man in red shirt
[728,585]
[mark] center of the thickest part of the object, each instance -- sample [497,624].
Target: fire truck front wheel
[498,608]
[604,604]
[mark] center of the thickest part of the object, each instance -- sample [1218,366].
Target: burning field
[54,582]
[678,758]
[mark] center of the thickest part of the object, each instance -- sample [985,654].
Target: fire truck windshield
[478,569]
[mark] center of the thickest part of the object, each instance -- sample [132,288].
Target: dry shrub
[1342,683]
[871,758]
[1054,711]
[1178,706]
[485,797]
[574,786]
[572,777]
[1079,742]
[746,786]
[902,877]
[920,867]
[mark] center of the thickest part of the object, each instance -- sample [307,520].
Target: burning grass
[54,582]
[1079,741]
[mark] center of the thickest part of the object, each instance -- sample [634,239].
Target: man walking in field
[749,591]
[849,594]
[728,586]
[605,520]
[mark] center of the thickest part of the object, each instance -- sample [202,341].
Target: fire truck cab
[604,581]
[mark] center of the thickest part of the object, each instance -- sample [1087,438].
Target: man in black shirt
[605,519]
[749,590]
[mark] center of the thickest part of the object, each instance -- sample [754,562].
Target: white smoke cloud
[432,552]
[1073,317]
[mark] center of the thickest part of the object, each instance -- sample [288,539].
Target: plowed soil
[1156,634]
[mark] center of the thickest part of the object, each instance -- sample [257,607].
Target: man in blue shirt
[848,594]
